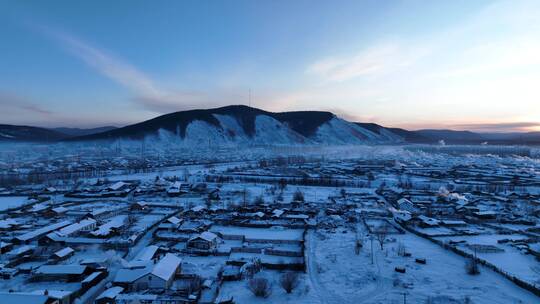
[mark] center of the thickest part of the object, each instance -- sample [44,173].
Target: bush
[289,281]
[471,266]
[260,287]
[251,268]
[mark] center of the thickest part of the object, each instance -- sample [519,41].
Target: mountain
[239,124]
[405,135]
[26,133]
[72,132]
[451,136]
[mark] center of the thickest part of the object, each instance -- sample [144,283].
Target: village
[294,229]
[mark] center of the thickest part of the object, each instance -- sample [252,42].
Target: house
[112,226]
[127,278]
[205,241]
[104,213]
[177,188]
[163,273]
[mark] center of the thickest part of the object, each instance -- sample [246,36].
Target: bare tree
[289,281]
[298,196]
[260,287]
[380,233]
[358,244]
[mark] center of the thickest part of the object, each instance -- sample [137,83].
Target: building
[204,241]
[163,273]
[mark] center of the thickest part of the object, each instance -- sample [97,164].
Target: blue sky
[415,64]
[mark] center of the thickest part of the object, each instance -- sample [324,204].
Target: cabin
[205,241]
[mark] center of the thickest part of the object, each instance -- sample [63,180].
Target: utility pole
[405,298]
[371,239]
[250,97]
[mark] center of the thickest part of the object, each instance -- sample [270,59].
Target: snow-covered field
[341,276]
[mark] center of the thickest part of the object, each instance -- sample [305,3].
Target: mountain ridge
[239,124]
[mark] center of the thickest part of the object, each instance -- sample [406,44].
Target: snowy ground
[341,276]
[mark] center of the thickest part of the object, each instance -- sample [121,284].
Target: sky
[461,64]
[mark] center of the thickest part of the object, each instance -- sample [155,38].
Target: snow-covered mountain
[246,125]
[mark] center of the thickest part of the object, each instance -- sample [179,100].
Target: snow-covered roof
[41,231]
[61,269]
[7,223]
[428,220]
[110,293]
[117,186]
[126,275]
[114,223]
[147,253]
[207,236]
[59,209]
[64,252]
[92,276]
[277,213]
[198,208]
[167,266]
[23,298]
[174,220]
[66,231]
[20,250]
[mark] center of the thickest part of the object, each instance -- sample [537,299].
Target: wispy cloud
[374,61]
[19,104]
[145,89]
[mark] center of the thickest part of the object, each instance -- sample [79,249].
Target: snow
[330,255]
